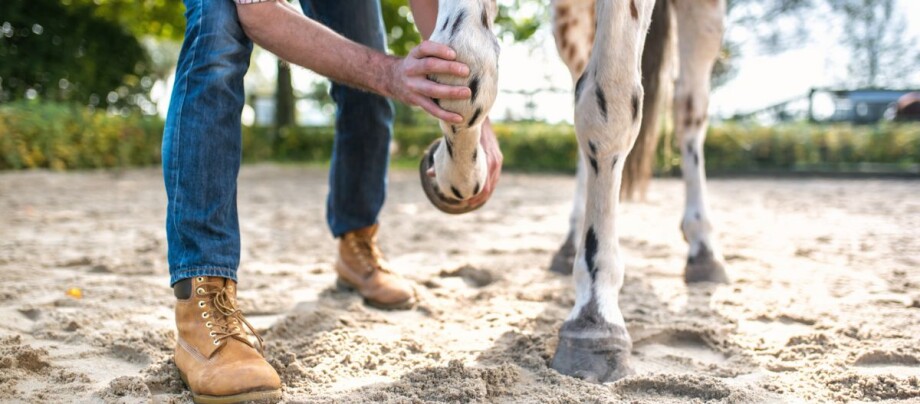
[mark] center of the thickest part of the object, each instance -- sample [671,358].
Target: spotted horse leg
[458,159]
[573,30]
[700,27]
[593,341]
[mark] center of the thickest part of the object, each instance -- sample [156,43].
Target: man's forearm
[285,32]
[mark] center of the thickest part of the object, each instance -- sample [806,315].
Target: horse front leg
[593,341]
[458,160]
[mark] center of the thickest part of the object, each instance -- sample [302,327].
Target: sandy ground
[825,303]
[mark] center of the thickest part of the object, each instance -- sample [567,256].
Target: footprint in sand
[888,363]
[675,351]
[772,333]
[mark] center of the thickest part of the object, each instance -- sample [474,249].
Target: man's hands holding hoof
[494,159]
[408,80]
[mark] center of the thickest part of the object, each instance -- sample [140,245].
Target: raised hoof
[564,259]
[704,267]
[594,359]
[429,185]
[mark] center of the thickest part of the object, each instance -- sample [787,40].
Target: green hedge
[64,137]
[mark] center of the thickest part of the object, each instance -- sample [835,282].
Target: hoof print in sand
[887,362]
[676,351]
[475,277]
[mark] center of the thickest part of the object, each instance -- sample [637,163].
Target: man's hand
[494,159]
[408,79]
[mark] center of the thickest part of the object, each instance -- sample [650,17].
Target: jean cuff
[191,272]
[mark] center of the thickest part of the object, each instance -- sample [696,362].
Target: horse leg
[700,27]
[573,30]
[593,341]
[459,161]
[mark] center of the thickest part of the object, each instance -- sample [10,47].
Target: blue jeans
[202,145]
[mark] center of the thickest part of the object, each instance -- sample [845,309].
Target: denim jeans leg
[363,123]
[202,143]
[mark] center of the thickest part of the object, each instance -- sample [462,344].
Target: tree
[880,52]
[66,53]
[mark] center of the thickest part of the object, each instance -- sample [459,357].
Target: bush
[62,137]
[35,135]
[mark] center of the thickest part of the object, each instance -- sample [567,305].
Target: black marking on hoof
[476,189]
[593,164]
[457,22]
[635,106]
[591,252]
[456,192]
[564,259]
[601,102]
[474,89]
[592,349]
[579,85]
[475,116]
[704,267]
[450,147]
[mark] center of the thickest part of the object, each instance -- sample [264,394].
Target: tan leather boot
[214,355]
[361,266]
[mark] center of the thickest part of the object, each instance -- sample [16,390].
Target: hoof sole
[594,359]
[438,199]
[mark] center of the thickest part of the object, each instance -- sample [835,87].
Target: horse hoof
[705,267]
[592,356]
[564,259]
[444,203]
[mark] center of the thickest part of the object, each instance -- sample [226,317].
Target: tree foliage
[57,52]
[517,19]
[880,52]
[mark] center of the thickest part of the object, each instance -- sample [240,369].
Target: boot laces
[368,252]
[228,318]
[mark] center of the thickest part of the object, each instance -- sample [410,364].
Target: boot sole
[347,287]
[252,397]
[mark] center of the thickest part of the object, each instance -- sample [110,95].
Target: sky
[763,79]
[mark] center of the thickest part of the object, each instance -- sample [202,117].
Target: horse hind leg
[573,30]
[700,27]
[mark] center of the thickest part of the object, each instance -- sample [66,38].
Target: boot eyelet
[212,334]
[200,291]
[216,342]
[205,315]
[201,303]
[208,324]
[200,279]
